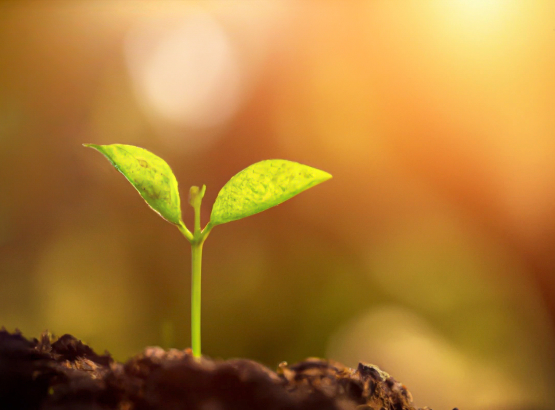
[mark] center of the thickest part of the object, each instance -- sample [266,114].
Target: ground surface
[64,374]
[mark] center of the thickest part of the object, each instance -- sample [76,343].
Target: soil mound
[64,374]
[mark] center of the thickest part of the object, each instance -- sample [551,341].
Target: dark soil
[65,374]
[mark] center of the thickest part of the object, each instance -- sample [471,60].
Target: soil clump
[65,374]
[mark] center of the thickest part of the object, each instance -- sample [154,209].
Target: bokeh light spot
[404,344]
[186,70]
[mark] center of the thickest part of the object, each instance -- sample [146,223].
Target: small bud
[195,195]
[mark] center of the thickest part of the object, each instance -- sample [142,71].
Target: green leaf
[262,186]
[149,174]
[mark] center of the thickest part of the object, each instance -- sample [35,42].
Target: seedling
[256,188]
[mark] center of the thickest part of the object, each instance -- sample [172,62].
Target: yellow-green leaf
[262,186]
[149,174]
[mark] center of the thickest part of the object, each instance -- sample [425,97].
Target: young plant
[253,190]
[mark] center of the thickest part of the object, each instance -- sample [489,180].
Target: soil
[64,374]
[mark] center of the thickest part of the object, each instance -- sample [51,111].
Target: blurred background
[431,252]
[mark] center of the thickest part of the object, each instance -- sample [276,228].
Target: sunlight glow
[475,8]
[474,17]
[186,71]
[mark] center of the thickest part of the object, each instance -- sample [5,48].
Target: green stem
[196,256]
[197,240]
[186,233]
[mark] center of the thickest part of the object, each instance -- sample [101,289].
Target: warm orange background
[430,252]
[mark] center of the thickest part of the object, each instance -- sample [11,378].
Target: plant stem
[197,241]
[196,257]
[185,232]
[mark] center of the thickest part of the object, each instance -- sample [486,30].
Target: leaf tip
[91,146]
[322,176]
